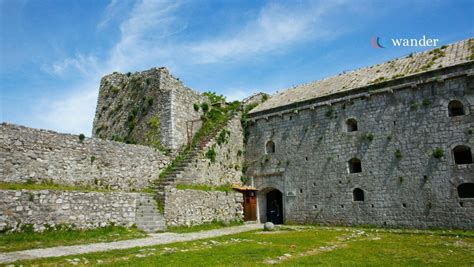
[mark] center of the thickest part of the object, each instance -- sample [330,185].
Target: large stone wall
[82,210]
[313,147]
[32,155]
[227,167]
[193,207]
[148,108]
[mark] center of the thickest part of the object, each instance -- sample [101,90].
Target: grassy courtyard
[65,236]
[296,246]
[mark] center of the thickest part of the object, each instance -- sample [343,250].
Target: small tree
[81,137]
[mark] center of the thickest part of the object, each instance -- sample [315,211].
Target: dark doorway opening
[275,207]
[466,190]
[455,108]
[462,155]
[358,194]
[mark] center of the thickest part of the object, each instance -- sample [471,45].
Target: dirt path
[153,239]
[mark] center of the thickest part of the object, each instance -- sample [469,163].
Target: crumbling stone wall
[399,127]
[226,167]
[83,210]
[194,207]
[149,108]
[32,155]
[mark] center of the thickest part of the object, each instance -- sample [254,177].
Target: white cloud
[85,65]
[237,94]
[276,27]
[146,40]
[72,113]
[110,12]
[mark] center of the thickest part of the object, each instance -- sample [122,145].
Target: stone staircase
[148,217]
[192,156]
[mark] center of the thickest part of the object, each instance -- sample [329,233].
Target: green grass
[49,186]
[223,188]
[203,227]
[296,246]
[28,240]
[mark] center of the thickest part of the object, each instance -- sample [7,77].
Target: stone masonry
[42,208]
[193,207]
[31,155]
[400,125]
[151,108]
[227,167]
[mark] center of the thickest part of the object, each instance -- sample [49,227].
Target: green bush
[114,89]
[438,153]
[398,154]
[211,154]
[196,107]
[81,137]
[205,107]
[223,137]
[426,103]
[214,98]
[367,137]
[329,113]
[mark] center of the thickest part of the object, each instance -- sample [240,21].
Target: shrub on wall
[211,155]
[438,153]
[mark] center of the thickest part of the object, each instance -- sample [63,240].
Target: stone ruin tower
[151,108]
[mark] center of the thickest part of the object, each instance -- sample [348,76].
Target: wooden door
[250,206]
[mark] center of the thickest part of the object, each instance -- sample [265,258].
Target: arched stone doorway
[274,203]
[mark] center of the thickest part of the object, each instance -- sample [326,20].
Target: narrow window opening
[315,206]
[355,165]
[342,206]
[455,108]
[358,194]
[404,205]
[301,191]
[270,147]
[351,125]
[466,190]
[372,205]
[462,155]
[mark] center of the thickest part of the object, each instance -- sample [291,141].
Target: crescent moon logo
[376,44]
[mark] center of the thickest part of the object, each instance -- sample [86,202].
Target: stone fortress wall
[83,210]
[399,126]
[40,156]
[352,155]
[227,168]
[150,108]
[194,207]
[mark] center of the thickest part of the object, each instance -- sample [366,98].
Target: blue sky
[53,53]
